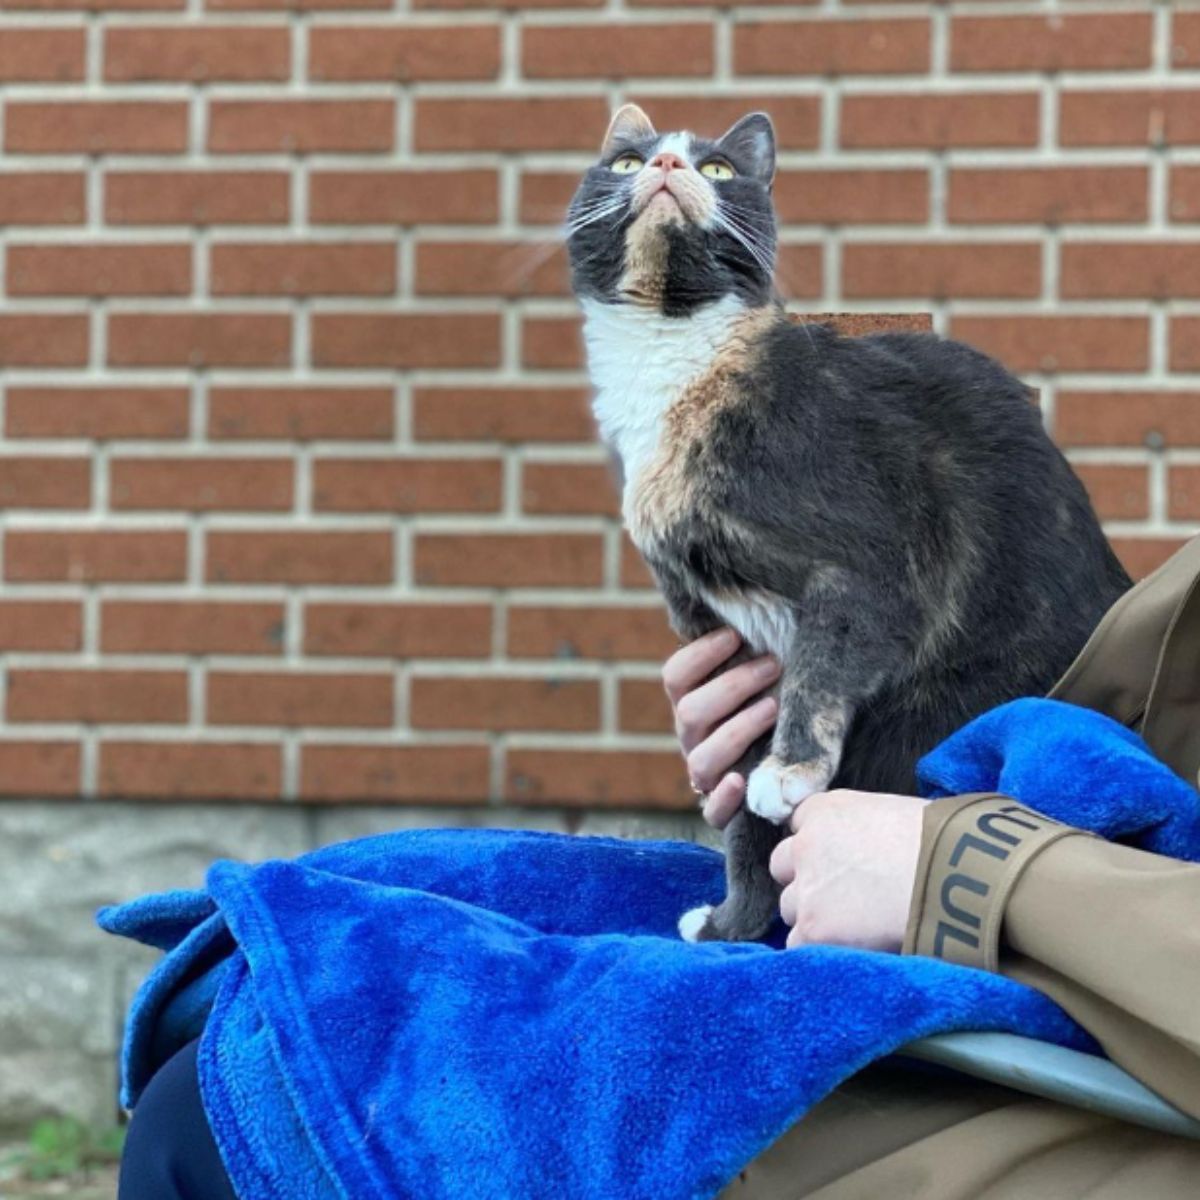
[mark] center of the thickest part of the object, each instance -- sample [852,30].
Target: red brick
[524,414]
[942,270]
[1156,270]
[1048,195]
[545,196]
[95,556]
[797,119]
[600,778]
[1185,343]
[800,270]
[1053,343]
[506,5]
[1185,193]
[202,484]
[512,269]
[45,482]
[405,197]
[303,268]
[634,572]
[41,625]
[1119,491]
[41,55]
[191,627]
[190,770]
[408,774]
[306,556]
[1185,39]
[300,699]
[616,51]
[196,197]
[496,704]
[578,489]
[642,707]
[613,633]
[98,697]
[551,343]
[1140,556]
[404,53]
[852,197]
[96,127]
[99,6]
[407,485]
[509,560]
[823,47]
[158,269]
[939,120]
[295,6]
[141,53]
[1127,418]
[1075,42]
[1110,117]
[96,412]
[43,339]
[510,123]
[29,770]
[1183,492]
[861,324]
[199,339]
[398,630]
[406,340]
[300,414]
[42,198]
[732,4]
[300,126]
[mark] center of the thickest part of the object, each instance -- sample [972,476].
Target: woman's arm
[1112,934]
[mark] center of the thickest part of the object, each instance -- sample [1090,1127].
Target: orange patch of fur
[665,491]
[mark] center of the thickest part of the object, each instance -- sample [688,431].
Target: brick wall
[300,494]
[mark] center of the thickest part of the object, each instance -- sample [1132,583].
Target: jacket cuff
[973,851]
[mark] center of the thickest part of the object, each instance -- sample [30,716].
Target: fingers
[721,750]
[690,666]
[783,862]
[699,711]
[724,800]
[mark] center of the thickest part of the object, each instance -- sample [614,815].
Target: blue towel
[441,1014]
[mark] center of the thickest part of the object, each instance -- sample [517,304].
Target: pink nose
[668,162]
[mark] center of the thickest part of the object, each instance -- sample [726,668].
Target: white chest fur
[640,362]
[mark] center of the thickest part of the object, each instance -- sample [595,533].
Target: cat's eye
[627,164]
[717,170]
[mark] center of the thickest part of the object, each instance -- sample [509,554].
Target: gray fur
[895,495]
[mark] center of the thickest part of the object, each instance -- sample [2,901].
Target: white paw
[693,921]
[774,791]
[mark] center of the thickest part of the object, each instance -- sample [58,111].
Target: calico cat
[884,514]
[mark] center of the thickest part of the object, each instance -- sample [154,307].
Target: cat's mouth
[672,197]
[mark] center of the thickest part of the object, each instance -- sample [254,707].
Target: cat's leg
[828,675]
[751,902]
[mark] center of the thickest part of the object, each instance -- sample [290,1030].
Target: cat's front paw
[774,791]
[693,922]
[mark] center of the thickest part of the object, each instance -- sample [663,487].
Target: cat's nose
[668,162]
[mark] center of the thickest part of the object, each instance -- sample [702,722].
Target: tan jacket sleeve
[1112,934]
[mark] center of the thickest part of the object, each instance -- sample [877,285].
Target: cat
[885,514]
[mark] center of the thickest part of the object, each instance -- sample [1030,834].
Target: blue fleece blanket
[442,1014]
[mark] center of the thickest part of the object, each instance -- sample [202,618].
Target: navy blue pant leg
[169,1152]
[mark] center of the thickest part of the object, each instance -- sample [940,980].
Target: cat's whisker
[755,251]
[519,264]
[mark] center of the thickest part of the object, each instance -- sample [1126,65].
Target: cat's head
[673,221]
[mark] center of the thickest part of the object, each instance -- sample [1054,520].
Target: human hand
[712,733]
[848,869]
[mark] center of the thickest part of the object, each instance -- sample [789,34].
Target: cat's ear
[751,144]
[629,124]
